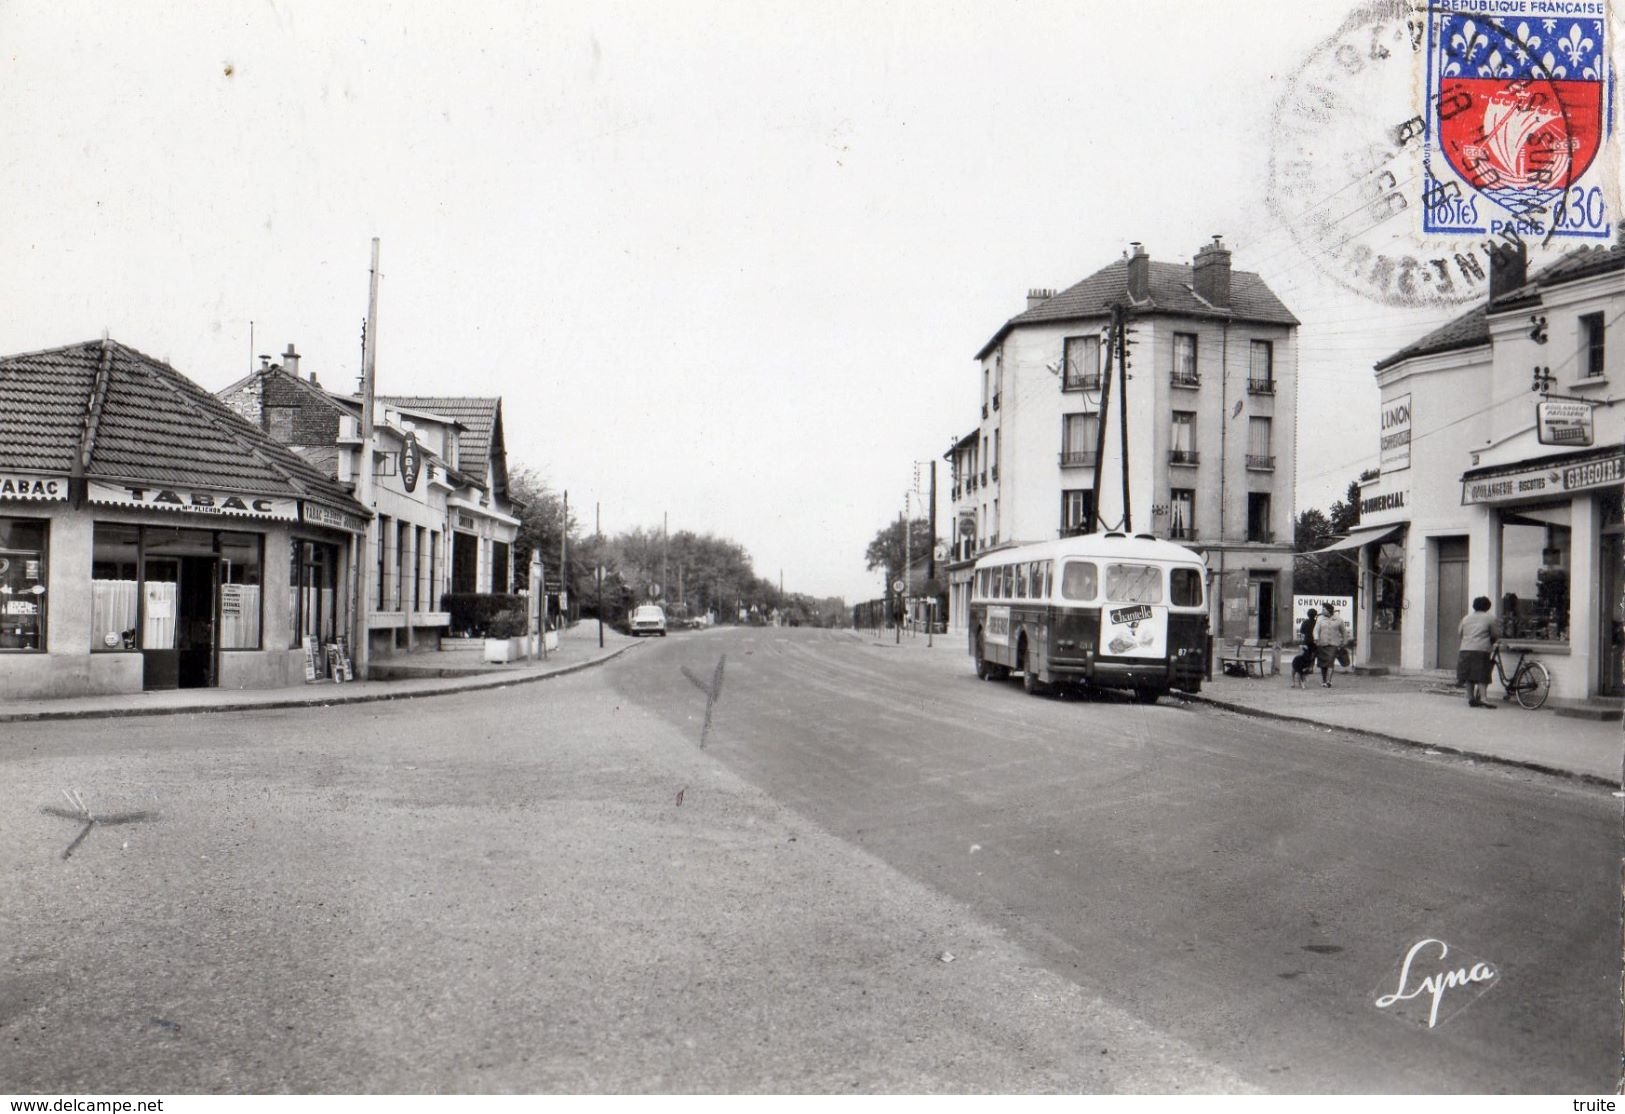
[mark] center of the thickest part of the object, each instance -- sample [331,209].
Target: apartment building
[1208,406]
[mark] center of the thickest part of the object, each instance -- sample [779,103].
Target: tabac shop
[148,587]
[1556,548]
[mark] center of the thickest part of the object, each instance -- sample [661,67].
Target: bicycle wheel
[1531,683]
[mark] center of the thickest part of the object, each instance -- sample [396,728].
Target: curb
[496,682]
[1400,740]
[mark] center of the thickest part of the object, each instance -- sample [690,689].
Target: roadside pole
[362,652]
[598,532]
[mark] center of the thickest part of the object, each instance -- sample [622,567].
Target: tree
[541,517]
[1326,574]
[886,550]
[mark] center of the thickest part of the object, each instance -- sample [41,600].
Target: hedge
[485,614]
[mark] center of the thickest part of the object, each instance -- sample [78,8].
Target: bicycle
[1530,680]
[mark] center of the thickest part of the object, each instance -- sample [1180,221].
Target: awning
[1358,538]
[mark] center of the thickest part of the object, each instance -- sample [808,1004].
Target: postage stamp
[1519,96]
[1421,136]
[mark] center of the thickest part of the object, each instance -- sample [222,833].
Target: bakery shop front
[152,539]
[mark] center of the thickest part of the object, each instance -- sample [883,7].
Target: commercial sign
[327,516]
[48,488]
[1564,422]
[1301,605]
[193,501]
[1137,631]
[1535,481]
[1382,507]
[1396,434]
[411,461]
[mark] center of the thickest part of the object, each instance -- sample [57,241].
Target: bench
[1250,660]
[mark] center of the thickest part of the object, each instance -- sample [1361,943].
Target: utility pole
[1120,318]
[665,550]
[363,479]
[1100,434]
[908,555]
[598,533]
[564,565]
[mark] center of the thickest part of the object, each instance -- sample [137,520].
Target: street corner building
[1210,429]
[1501,474]
[441,518]
[150,538]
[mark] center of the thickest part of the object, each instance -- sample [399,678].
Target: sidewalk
[578,649]
[1422,711]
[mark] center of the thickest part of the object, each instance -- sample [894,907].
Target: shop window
[398,594]
[240,595]
[499,567]
[1535,563]
[417,567]
[115,587]
[313,583]
[22,584]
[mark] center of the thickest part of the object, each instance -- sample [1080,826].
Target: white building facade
[1474,498]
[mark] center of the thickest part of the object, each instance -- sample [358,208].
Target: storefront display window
[1535,562]
[313,580]
[240,591]
[115,587]
[22,584]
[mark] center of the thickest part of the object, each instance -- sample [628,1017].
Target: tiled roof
[482,437]
[152,425]
[1170,292]
[1472,328]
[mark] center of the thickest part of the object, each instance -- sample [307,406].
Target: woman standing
[1473,666]
[1331,634]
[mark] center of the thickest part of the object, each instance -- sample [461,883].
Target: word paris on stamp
[1517,114]
[1432,985]
[1423,135]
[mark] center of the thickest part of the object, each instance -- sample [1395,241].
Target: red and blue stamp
[1519,107]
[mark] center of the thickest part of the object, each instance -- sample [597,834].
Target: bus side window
[1021,582]
[1007,576]
[1185,587]
[1079,580]
[1046,566]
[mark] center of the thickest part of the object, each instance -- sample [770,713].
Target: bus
[1107,610]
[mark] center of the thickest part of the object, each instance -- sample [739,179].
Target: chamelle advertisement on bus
[1134,630]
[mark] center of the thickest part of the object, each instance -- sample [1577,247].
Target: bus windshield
[1185,587]
[1079,580]
[1133,583]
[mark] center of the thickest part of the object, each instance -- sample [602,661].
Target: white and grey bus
[1111,610]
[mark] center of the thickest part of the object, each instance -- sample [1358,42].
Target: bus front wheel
[1146,694]
[1029,675]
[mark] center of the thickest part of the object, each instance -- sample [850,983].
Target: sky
[724,262]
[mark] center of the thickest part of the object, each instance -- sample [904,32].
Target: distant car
[650,618]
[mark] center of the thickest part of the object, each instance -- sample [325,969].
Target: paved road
[1250,889]
[963,889]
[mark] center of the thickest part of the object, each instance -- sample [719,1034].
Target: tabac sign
[46,488]
[193,501]
[411,461]
[1558,477]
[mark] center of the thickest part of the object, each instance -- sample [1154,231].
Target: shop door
[1452,597]
[465,562]
[179,622]
[1262,600]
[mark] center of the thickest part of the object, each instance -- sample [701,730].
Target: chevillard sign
[1548,479]
[1396,434]
[194,501]
[49,488]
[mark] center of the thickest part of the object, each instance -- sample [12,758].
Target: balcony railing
[1260,386]
[1256,463]
[996,396]
[1185,378]
[1181,533]
[1088,382]
[1266,536]
[1181,456]
[1077,457]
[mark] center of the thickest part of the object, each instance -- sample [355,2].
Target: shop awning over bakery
[1358,538]
[102,424]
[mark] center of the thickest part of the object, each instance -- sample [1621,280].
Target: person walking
[1331,634]
[1478,634]
[1305,661]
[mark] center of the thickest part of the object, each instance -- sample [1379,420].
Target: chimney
[1037,297]
[1211,273]
[290,361]
[1509,267]
[1139,274]
[265,363]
